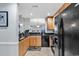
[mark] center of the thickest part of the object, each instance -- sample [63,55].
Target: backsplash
[36,25]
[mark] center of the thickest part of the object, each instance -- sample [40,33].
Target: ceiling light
[73,25]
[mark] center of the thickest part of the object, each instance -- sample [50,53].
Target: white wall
[9,35]
[25,22]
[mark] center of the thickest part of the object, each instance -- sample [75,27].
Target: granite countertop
[29,34]
[35,34]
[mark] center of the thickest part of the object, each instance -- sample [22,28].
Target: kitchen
[39,29]
[35,30]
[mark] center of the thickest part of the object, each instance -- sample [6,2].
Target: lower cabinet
[35,41]
[29,41]
[38,41]
[23,46]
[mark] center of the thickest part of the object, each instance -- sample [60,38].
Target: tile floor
[44,51]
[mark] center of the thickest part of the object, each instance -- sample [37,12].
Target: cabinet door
[32,41]
[20,48]
[38,41]
[35,40]
[26,43]
[50,23]
[23,46]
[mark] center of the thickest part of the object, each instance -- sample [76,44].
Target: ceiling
[38,10]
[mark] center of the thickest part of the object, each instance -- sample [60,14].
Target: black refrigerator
[68,31]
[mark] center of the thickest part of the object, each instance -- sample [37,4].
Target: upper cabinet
[50,23]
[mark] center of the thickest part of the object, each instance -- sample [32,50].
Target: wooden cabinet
[35,40]
[50,23]
[23,46]
[31,40]
[38,41]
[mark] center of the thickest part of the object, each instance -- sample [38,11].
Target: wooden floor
[44,51]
